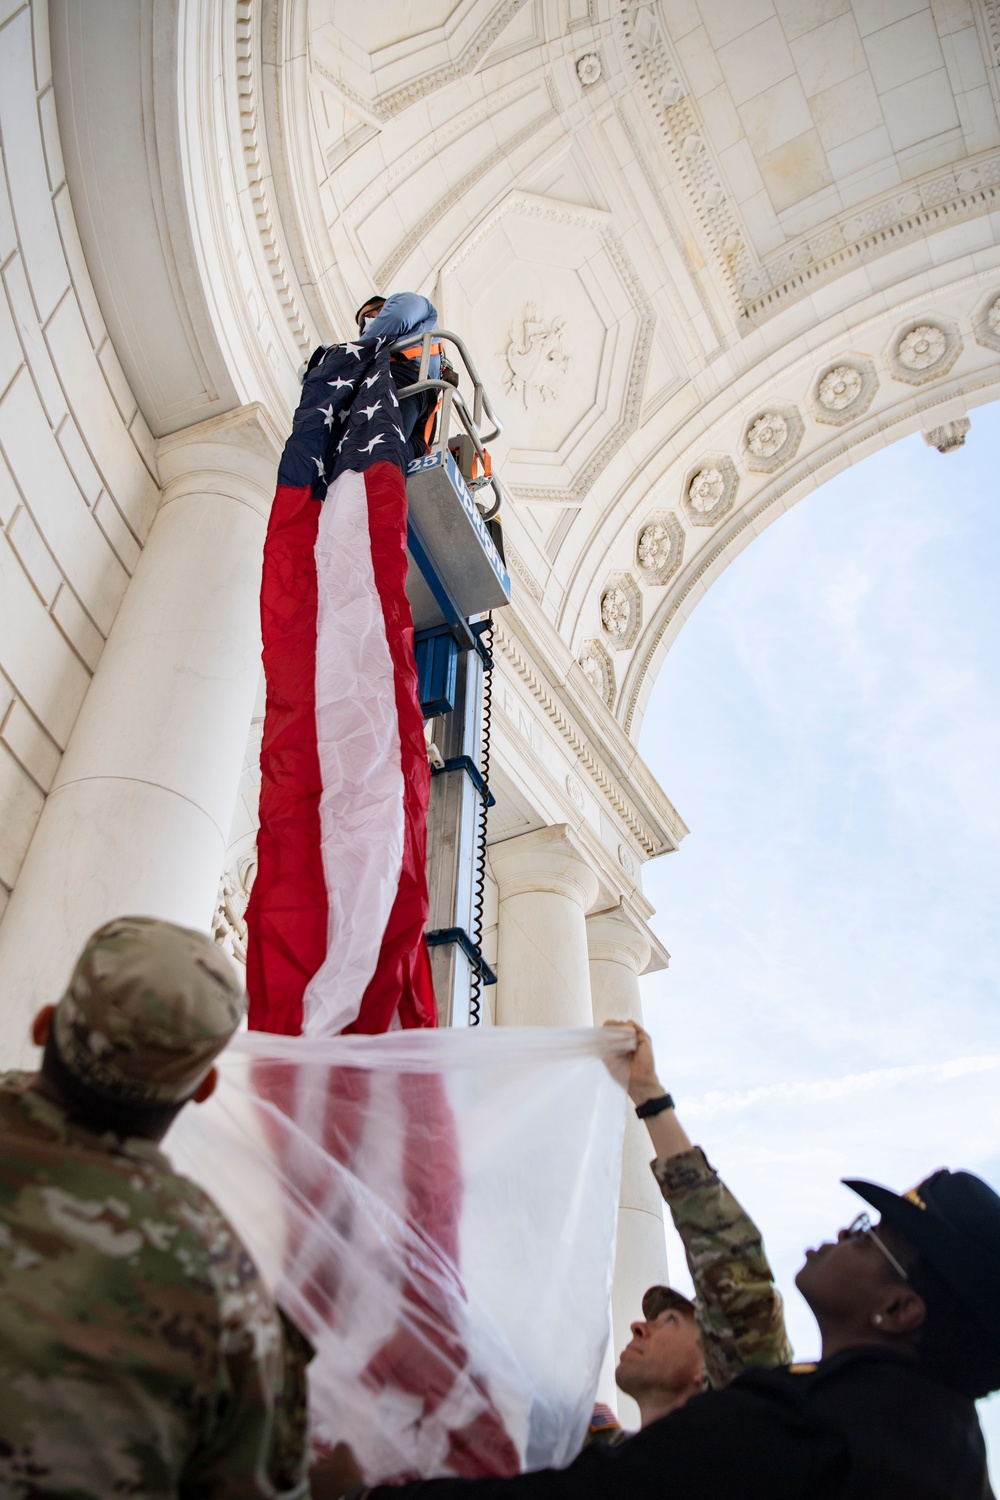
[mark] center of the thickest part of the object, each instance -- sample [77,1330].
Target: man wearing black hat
[909,1313]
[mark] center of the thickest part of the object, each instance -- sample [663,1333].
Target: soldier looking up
[140,1353]
[909,1317]
[678,1346]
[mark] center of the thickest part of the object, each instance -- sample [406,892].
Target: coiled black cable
[479,893]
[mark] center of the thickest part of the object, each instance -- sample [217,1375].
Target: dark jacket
[863,1425]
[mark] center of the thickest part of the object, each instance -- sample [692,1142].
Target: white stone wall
[78,486]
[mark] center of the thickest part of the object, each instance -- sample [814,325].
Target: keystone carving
[621,610]
[598,670]
[772,438]
[844,391]
[924,351]
[709,490]
[949,436]
[659,548]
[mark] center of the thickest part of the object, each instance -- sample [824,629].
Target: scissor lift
[457,577]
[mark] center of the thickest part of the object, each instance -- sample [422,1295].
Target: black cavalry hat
[953,1220]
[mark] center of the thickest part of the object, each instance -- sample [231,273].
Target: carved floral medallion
[709,490]
[844,390]
[659,547]
[924,351]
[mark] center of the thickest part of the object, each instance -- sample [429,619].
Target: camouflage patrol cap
[148,1009]
[661,1299]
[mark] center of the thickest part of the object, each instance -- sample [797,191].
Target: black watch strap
[654,1106]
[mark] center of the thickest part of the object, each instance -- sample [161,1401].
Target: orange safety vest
[417,351]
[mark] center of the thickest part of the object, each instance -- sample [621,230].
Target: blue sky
[828,725]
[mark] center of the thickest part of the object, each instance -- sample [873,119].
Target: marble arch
[707,252]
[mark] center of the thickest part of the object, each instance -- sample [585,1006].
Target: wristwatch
[654,1106]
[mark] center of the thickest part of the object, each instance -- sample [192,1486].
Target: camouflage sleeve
[257,1444]
[738,1306]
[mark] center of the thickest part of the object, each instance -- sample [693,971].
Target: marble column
[619,951]
[546,883]
[139,812]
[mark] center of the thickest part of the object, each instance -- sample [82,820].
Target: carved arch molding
[697,426]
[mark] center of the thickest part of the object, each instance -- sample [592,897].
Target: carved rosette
[598,670]
[772,438]
[621,610]
[924,350]
[589,69]
[659,547]
[709,490]
[844,390]
[986,323]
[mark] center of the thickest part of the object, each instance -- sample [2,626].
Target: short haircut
[661,1299]
[97,1113]
[951,1345]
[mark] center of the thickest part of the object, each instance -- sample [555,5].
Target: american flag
[339,905]
[338,910]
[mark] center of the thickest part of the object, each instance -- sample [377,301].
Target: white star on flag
[328,415]
[372,379]
[319,464]
[370,411]
[354,349]
[376,439]
[338,383]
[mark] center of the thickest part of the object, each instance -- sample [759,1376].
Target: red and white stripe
[339,904]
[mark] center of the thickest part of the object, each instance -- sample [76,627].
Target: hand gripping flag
[339,905]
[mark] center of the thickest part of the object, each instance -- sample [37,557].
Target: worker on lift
[396,317]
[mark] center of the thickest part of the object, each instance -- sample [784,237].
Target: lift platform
[457,576]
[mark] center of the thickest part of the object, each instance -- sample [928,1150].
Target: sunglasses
[861,1229]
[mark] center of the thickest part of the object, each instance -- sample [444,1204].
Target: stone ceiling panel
[562,329]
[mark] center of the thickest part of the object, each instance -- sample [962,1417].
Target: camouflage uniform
[140,1353]
[737,1305]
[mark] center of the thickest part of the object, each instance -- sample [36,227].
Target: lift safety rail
[457,575]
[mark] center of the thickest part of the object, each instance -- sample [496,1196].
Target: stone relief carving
[772,438]
[844,390]
[598,670]
[986,323]
[659,548]
[946,196]
[588,69]
[709,490]
[229,928]
[627,861]
[259,196]
[525,204]
[761,287]
[535,357]
[949,436]
[621,610]
[517,565]
[924,351]
[575,791]
[694,161]
[385,106]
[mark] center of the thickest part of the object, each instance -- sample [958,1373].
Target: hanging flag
[339,905]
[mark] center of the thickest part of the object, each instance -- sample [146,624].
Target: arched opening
[829,724]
